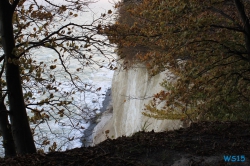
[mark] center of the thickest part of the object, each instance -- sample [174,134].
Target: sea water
[67,131]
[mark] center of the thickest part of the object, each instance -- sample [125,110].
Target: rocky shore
[87,139]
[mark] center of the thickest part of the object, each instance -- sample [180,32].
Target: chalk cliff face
[131,90]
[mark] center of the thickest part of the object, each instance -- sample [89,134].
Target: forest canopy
[206,44]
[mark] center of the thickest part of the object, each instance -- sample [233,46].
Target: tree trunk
[18,117]
[5,129]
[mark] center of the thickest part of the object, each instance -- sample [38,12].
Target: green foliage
[145,126]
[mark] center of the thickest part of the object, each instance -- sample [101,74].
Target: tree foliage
[38,26]
[205,44]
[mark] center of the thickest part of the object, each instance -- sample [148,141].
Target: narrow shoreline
[87,138]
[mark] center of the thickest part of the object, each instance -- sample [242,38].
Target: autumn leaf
[195,44]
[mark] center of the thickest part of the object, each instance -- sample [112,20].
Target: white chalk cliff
[131,90]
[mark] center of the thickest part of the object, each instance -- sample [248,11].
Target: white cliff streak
[131,90]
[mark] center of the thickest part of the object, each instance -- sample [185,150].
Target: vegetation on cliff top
[205,44]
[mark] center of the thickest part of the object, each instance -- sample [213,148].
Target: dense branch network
[204,43]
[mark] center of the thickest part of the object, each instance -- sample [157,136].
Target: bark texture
[22,134]
[5,129]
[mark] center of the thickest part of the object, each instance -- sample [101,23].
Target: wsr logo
[238,158]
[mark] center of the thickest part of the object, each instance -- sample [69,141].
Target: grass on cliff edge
[149,148]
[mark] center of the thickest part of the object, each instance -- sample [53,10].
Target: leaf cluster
[49,26]
[205,44]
